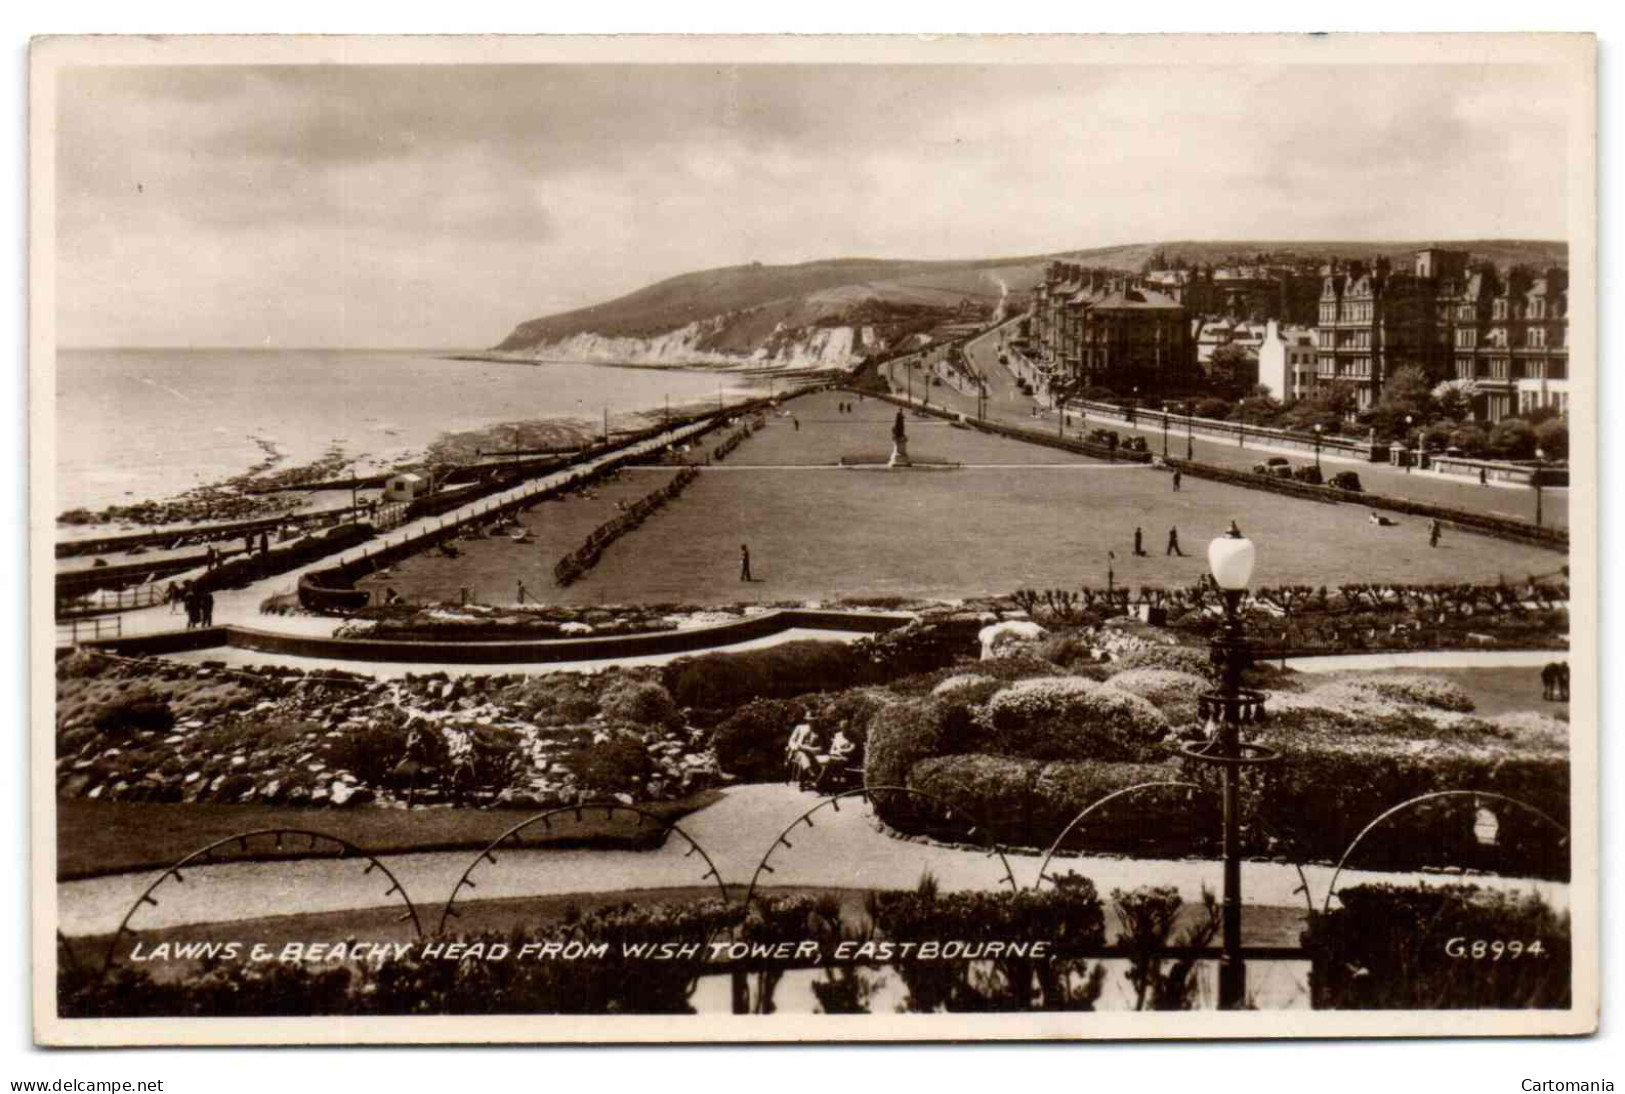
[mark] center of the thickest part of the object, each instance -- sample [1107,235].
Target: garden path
[842,849]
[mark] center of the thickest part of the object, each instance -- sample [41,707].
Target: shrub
[722,680]
[906,732]
[641,702]
[137,711]
[1070,718]
[370,753]
[853,710]
[82,665]
[1066,650]
[617,765]
[1424,691]
[556,699]
[1188,659]
[1338,772]
[1068,915]
[990,792]
[1164,822]
[1173,693]
[1389,947]
[967,687]
[751,743]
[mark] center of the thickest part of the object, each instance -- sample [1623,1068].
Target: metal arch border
[866,792]
[466,881]
[1331,887]
[1043,867]
[346,850]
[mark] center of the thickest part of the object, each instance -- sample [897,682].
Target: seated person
[842,747]
[801,752]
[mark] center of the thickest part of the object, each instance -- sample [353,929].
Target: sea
[136,424]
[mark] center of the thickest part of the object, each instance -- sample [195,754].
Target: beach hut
[407,486]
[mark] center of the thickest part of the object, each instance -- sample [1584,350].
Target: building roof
[1136,300]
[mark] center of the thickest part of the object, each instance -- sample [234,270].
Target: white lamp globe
[1231,560]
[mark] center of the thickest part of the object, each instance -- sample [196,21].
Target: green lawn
[1016,515]
[1495,691]
[96,838]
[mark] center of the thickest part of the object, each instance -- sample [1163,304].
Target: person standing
[795,421]
[1177,476]
[1173,544]
[1434,531]
[208,608]
[744,563]
[1139,543]
[521,590]
[265,544]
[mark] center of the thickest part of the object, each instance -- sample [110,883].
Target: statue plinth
[899,453]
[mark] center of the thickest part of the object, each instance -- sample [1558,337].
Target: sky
[439,206]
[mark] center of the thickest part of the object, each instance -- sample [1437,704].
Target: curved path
[843,849]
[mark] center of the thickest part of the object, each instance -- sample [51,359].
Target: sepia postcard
[684,539]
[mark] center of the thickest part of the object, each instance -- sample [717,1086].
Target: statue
[899,444]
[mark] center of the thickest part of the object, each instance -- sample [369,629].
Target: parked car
[1347,480]
[1308,473]
[1277,466]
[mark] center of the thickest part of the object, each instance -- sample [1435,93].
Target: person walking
[744,563]
[1434,531]
[1173,544]
[1177,476]
[521,590]
[208,608]
[795,421]
[1139,543]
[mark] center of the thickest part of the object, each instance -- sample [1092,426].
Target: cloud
[404,205]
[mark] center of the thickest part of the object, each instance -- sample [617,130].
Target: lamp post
[1165,432]
[1318,428]
[1409,457]
[1226,709]
[1190,433]
[1540,463]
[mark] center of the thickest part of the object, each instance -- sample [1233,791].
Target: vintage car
[1347,480]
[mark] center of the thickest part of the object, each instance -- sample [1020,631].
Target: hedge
[992,792]
[904,733]
[716,681]
[1169,822]
[1391,948]
[1338,772]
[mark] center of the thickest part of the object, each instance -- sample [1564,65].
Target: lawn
[1016,515]
[1495,691]
[492,568]
[96,838]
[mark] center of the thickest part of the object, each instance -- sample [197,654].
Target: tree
[1407,394]
[1552,436]
[1232,365]
[1454,399]
[1512,439]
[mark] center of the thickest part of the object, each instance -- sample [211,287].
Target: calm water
[136,424]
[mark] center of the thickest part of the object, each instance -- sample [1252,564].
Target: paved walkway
[842,849]
[1429,659]
[394,670]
